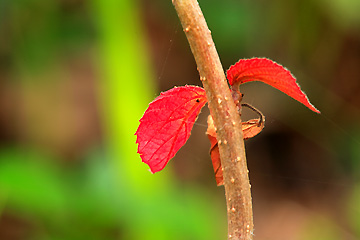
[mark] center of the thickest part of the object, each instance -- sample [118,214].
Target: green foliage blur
[76,76]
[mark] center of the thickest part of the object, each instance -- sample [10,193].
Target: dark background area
[76,76]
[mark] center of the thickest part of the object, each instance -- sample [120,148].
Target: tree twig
[226,119]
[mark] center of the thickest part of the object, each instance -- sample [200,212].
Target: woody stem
[226,119]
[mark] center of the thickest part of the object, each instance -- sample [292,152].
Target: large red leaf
[167,123]
[267,71]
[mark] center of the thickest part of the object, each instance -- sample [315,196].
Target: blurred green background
[76,76]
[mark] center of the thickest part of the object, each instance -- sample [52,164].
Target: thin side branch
[226,119]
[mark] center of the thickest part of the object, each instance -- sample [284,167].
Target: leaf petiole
[254,109]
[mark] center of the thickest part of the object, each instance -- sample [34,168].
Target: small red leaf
[269,72]
[167,123]
[214,152]
[250,129]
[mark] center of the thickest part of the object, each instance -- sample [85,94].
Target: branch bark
[226,119]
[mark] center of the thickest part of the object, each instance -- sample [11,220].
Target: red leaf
[214,152]
[250,129]
[269,72]
[167,123]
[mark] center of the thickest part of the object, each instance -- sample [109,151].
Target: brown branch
[226,119]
